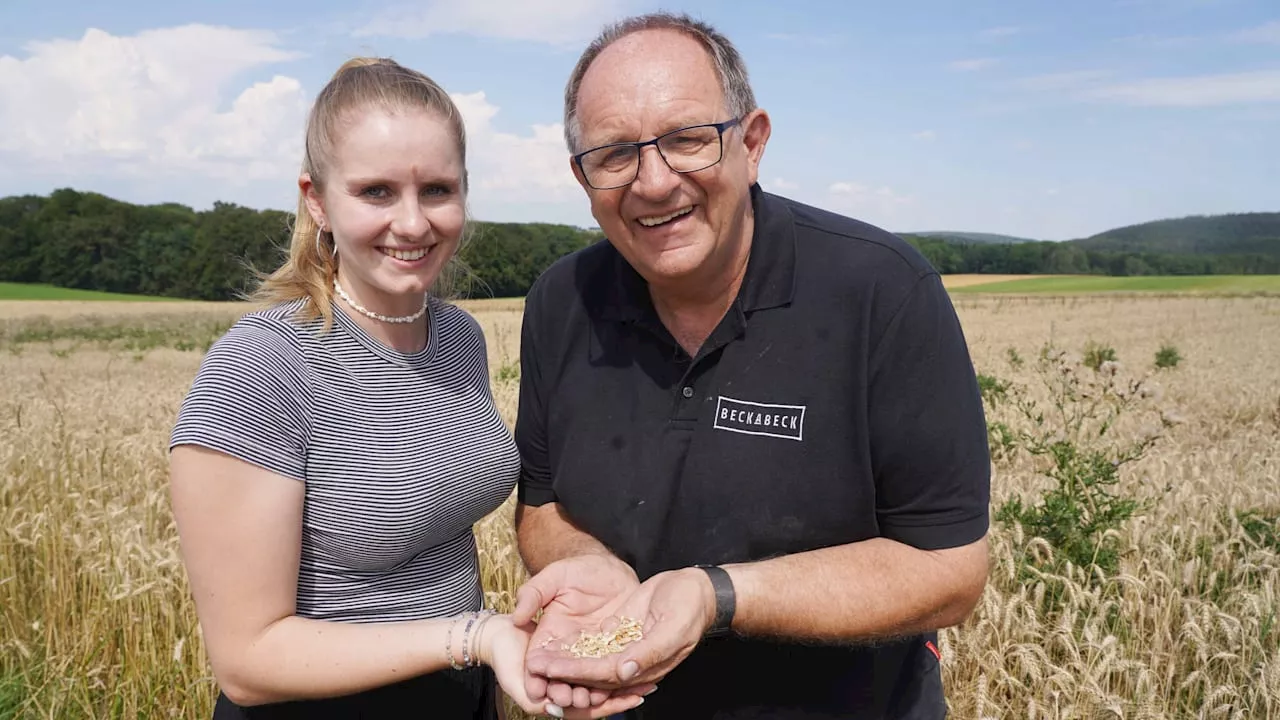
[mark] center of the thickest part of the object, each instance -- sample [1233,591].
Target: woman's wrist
[453,642]
[487,633]
[467,642]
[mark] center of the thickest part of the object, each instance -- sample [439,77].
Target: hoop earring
[319,244]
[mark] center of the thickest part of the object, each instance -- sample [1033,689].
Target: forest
[90,241]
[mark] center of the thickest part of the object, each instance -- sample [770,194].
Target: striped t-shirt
[401,453]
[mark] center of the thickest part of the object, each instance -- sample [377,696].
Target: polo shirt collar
[771,267]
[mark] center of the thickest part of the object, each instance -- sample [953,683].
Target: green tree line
[1073,258]
[89,241]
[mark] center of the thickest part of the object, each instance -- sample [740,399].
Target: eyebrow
[368,180]
[614,139]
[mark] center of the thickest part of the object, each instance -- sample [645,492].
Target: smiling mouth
[656,220]
[406,255]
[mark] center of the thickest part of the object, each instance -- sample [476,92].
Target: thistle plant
[1068,430]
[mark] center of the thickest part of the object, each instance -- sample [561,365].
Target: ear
[756,129]
[577,175]
[315,203]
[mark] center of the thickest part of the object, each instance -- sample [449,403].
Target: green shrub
[1261,527]
[508,372]
[993,389]
[1080,514]
[1167,356]
[1096,353]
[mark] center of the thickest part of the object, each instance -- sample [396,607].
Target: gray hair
[730,69]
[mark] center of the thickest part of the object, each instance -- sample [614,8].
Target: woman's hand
[575,594]
[503,647]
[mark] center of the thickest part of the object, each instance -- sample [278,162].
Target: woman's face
[395,203]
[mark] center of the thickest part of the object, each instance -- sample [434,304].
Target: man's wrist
[723,600]
[708,604]
[614,560]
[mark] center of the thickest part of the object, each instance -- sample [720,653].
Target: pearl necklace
[384,318]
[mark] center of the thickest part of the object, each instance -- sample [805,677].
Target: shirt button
[687,392]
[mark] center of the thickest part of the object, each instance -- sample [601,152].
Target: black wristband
[726,600]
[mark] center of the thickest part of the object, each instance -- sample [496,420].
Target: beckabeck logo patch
[752,418]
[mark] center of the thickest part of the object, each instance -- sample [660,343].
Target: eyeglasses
[686,150]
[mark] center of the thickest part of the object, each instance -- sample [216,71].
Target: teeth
[407,255]
[652,221]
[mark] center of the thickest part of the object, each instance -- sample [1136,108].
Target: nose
[655,180]
[410,221]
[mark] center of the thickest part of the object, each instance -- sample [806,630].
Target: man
[737,381]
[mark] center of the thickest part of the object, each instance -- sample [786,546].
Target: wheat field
[96,621]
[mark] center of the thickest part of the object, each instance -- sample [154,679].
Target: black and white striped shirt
[401,453]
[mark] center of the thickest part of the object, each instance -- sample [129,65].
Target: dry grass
[1188,628]
[95,620]
[965,280]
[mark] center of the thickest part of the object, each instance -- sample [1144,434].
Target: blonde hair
[308,271]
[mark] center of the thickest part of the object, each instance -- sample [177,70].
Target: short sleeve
[535,486]
[250,400]
[928,428]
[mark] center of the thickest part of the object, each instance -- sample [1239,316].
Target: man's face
[670,226]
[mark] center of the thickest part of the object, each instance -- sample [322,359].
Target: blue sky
[1050,120]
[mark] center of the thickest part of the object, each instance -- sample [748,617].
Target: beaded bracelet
[485,617]
[448,647]
[466,638]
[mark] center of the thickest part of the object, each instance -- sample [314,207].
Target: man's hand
[503,648]
[675,609]
[575,594]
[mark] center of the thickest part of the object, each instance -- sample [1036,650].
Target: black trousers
[446,695]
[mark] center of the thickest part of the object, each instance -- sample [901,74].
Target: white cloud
[780,185]
[872,204]
[1268,33]
[925,135]
[1063,81]
[155,101]
[1265,34]
[1065,85]
[972,64]
[505,167]
[163,106]
[1193,91]
[1149,41]
[550,21]
[1173,5]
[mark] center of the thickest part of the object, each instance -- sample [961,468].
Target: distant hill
[1238,234]
[1234,234]
[972,237]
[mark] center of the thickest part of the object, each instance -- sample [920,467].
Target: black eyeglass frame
[641,145]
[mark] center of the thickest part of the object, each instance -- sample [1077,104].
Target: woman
[334,452]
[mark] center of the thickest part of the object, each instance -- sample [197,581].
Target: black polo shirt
[835,402]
